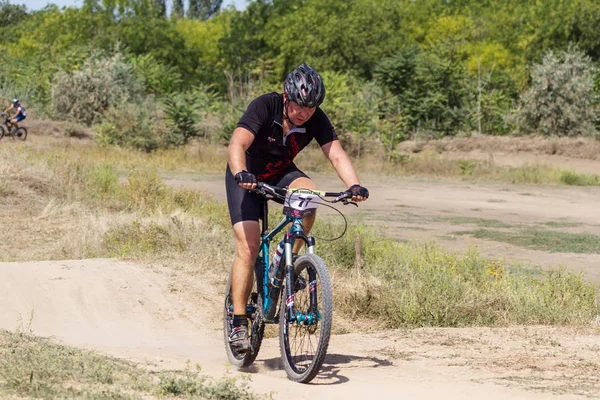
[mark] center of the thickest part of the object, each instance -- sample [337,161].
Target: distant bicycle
[9,129]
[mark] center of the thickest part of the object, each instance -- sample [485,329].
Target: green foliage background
[393,68]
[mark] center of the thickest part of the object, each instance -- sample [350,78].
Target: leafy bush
[229,114]
[181,116]
[561,99]
[131,125]
[570,177]
[85,95]
[355,108]
[431,87]
[157,78]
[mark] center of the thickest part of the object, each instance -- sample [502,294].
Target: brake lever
[346,202]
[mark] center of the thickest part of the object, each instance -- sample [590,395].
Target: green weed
[410,284]
[137,238]
[101,181]
[424,285]
[191,384]
[539,239]
[558,224]
[467,167]
[35,367]
[572,178]
[491,223]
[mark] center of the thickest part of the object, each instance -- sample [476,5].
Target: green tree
[181,117]
[243,41]
[12,14]
[557,23]
[432,88]
[178,11]
[160,7]
[339,35]
[561,100]
[203,9]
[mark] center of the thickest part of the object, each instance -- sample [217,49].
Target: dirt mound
[584,148]
[48,127]
[132,312]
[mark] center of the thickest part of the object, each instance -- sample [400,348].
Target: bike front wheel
[255,319]
[2,131]
[304,337]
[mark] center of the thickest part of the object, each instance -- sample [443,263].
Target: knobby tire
[23,134]
[303,348]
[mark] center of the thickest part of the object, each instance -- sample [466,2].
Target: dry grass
[76,196]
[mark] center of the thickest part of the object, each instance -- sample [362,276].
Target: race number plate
[300,203]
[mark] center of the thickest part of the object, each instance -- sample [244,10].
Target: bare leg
[247,237]
[307,222]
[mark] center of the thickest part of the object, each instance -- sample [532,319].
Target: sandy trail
[129,311]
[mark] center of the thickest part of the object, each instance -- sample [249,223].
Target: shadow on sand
[331,368]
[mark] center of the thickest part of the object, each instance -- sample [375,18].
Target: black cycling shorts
[245,205]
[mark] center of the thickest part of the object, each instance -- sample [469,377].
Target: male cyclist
[272,131]
[20,115]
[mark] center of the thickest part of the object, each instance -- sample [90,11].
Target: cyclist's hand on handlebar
[358,193]
[246,180]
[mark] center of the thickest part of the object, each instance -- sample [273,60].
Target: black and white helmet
[304,86]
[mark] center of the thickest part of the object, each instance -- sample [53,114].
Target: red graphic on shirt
[277,168]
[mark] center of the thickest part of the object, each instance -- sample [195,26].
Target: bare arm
[239,143]
[341,163]
[343,166]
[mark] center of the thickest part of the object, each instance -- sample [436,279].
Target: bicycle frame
[270,293]
[11,128]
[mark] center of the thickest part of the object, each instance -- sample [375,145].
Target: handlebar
[272,192]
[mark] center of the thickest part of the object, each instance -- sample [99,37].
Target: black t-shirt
[270,153]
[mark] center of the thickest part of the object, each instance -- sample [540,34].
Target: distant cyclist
[20,115]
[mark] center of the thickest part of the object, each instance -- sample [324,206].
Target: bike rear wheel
[304,338]
[20,133]
[255,321]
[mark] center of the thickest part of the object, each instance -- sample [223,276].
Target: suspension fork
[290,275]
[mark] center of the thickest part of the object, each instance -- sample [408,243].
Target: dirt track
[128,311]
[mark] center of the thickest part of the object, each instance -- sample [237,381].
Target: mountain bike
[280,295]
[17,133]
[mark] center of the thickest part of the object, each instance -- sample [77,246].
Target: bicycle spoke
[304,340]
